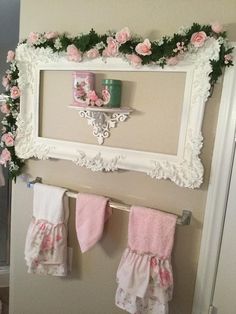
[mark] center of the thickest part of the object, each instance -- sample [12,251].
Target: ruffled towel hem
[145,283]
[46,248]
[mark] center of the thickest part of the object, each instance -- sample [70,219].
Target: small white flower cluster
[13,166]
[180,48]
[160,42]
[58,44]
[183,30]
[14,113]
[100,45]
[4,122]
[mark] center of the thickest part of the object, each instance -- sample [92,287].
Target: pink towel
[151,231]
[144,276]
[92,211]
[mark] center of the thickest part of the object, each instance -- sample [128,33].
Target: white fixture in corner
[102,119]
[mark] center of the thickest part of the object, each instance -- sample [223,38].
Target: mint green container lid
[111,82]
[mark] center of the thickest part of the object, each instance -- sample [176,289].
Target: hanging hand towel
[92,211]
[144,276]
[46,240]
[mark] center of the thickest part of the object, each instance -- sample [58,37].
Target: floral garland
[138,52]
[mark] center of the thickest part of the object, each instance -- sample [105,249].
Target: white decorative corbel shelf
[102,119]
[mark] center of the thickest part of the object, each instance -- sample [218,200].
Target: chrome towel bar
[183,220]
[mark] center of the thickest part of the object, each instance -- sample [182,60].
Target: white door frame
[217,195]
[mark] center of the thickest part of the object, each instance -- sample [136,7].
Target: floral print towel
[46,240]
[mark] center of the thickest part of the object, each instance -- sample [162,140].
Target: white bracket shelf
[102,119]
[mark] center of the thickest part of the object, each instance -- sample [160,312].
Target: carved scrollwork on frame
[184,169]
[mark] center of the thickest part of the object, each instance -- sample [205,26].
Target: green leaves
[167,49]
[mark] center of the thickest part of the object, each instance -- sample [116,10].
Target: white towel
[46,240]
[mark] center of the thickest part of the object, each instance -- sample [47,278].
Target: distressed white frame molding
[184,168]
[217,195]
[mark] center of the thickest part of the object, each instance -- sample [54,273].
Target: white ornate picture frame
[185,168]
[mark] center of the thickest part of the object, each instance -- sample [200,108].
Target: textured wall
[91,288]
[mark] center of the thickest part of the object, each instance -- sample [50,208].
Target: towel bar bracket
[185,219]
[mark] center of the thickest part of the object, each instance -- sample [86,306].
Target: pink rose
[5,108]
[73,53]
[15,92]
[105,53]
[8,139]
[51,35]
[99,102]
[92,53]
[172,61]
[228,58]
[5,82]
[144,48]
[112,47]
[166,278]
[80,92]
[106,96]
[198,39]
[10,56]
[5,156]
[216,27]
[92,95]
[123,35]
[93,99]
[135,60]
[47,243]
[33,38]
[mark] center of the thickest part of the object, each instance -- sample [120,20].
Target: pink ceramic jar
[82,83]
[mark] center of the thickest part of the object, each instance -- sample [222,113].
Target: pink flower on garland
[112,48]
[10,56]
[144,48]
[73,53]
[15,92]
[217,27]
[123,35]
[51,35]
[135,60]
[5,156]
[33,38]
[172,61]
[8,139]
[198,39]
[5,108]
[92,53]
[228,58]
[5,82]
